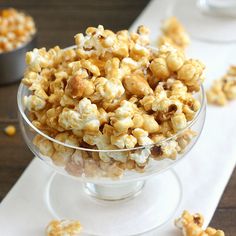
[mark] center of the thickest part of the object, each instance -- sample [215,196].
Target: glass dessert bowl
[120,194]
[110,116]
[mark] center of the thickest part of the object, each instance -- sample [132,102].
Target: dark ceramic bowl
[12,63]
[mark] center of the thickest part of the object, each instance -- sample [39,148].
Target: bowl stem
[114,192]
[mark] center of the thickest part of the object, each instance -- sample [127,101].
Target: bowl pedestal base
[131,208]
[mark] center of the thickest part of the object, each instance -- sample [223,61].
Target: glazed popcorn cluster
[191,225]
[224,89]
[111,92]
[16,28]
[63,228]
[174,33]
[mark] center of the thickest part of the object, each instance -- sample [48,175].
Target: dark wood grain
[57,22]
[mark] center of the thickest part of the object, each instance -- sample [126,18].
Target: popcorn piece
[169,149]
[70,119]
[224,89]
[87,64]
[191,225]
[109,89]
[215,94]
[75,166]
[84,117]
[150,124]
[175,60]
[144,33]
[79,86]
[191,74]
[229,87]
[137,85]
[10,130]
[68,139]
[37,59]
[34,103]
[174,33]
[124,141]
[63,227]
[185,138]
[122,118]
[142,136]
[112,68]
[159,68]
[44,145]
[140,156]
[138,51]
[147,102]
[179,121]
[99,42]
[137,121]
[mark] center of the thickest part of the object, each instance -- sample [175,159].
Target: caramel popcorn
[191,225]
[224,89]
[174,33]
[16,28]
[111,92]
[63,227]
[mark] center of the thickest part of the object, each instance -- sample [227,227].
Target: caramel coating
[111,92]
[191,225]
[223,90]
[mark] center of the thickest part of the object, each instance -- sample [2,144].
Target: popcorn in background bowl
[16,29]
[17,36]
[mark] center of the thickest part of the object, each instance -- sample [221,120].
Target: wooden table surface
[58,21]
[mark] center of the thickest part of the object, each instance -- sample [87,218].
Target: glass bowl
[112,198]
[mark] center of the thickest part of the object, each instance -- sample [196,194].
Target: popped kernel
[192,74]
[179,121]
[140,156]
[124,141]
[174,33]
[191,225]
[159,68]
[224,89]
[44,145]
[79,86]
[137,85]
[34,103]
[142,136]
[63,227]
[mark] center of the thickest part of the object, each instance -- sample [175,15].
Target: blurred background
[57,21]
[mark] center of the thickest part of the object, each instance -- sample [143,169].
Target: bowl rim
[190,123]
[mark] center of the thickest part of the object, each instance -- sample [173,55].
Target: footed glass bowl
[112,198]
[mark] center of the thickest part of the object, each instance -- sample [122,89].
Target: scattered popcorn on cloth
[224,89]
[16,28]
[110,92]
[191,225]
[174,33]
[63,228]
